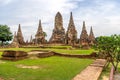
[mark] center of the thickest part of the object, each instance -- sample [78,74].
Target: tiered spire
[58,35]
[27,42]
[84,36]
[71,22]
[71,35]
[39,31]
[15,38]
[39,27]
[20,36]
[15,42]
[39,37]
[31,40]
[91,36]
[58,21]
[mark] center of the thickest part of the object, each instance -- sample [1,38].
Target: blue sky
[103,15]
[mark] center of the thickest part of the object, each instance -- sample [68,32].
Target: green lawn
[106,72]
[67,51]
[51,68]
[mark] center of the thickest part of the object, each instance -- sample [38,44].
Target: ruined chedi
[84,40]
[58,35]
[71,34]
[15,42]
[40,35]
[31,40]
[91,37]
[20,36]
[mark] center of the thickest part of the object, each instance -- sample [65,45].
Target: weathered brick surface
[71,34]
[13,55]
[58,34]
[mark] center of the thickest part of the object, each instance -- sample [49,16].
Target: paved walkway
[117,76]
[92,72]
[1,79]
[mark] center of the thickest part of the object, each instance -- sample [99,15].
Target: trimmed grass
[0,54]
[59,47]
[51,68]
[106,73]
[20,49]
[76,51]
[67,51]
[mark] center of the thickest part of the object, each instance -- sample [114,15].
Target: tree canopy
[110,46]
[5,34]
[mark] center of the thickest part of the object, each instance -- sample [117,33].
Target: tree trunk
[116,66]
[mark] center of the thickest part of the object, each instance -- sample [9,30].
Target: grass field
[67,51]
[51,68]
[106,72]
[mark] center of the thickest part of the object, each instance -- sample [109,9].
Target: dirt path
[33,55]
[92,72]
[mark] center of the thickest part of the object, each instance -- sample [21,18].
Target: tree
[45,34]
[5,34]
[110,46]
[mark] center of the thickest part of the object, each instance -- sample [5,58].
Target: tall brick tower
[71,34]
[91,37]
[20,36]
[58,34]
[84,36]
[40,35]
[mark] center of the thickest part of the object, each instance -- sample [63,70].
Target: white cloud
[102,15]
[5,2]
[29,14]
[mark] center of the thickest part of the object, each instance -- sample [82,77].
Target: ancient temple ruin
[91,37]
[58,35]
[71,34]
[27,42]
[31,40]
[15,42]
[84,40]
[18,39]
[40,35]
[20,36]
